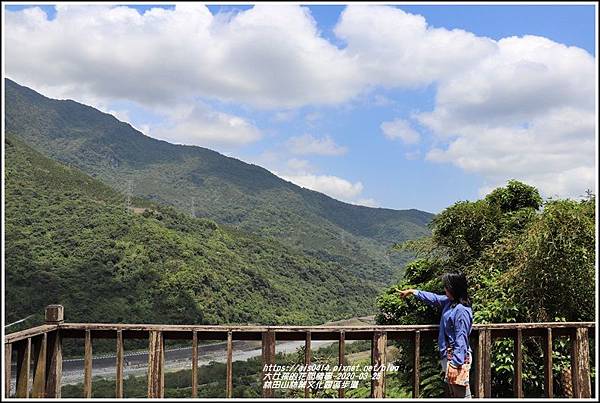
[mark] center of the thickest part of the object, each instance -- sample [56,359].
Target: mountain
[224,189]
[71,240]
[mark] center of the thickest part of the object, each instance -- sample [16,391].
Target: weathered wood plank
[325,328]
[580,364]
[268,358]
[194,364]
[156,365]
[341,358]
[119,366]
[307,359]
[484,370]
[474,376]
[548,375]
[7,368]
[23,367]
[416,363]
[55,314]
[229,374]
[87,365]
[39,366]
[54,364]
[518,365]
[27,333]
[378,356]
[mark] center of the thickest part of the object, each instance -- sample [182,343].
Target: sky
[396,106]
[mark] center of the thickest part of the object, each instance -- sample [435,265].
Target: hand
[452,373]
[406,293]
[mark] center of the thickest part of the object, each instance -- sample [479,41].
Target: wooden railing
[39,361]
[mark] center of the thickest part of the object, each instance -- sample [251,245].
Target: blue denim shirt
[455,325]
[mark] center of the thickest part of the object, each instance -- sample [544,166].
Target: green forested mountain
[224,189]
[70,240]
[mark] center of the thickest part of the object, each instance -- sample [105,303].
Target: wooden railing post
[341,358]
[307,358]
[39,366]
[229,369]
[378,353]
[7,369]
[55,315]
[518,365]
[580,364]
[194,363]
[484,369]
[548,375]
[268,358]
[416,363]
[156,357]
[87,365]
[23,367]
[119,365]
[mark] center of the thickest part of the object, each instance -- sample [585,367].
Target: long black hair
[458,286]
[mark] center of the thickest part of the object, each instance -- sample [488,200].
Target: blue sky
[342,148]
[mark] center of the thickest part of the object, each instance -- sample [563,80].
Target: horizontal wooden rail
[39,351]
[28,333]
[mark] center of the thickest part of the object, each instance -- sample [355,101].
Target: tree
[526,260]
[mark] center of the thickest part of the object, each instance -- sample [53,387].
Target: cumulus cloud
[400,129]
[303,173]
[333,186]
[308,144]
[268,56]
[520,107]
[525,112]
[395,48]
[203,126]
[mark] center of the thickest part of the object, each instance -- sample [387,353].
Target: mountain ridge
[224,189]
[70,240]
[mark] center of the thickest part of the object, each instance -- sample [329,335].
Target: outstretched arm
[429,298]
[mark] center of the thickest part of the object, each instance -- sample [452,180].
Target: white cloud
[299,165]
[400,129]
[526,112]
[395,48]
[270,56]
[333,186]
[366,202]
[519,107]
[308,144]
[200,125]
[302,173]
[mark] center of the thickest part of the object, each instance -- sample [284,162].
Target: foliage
[527,261]
[225,190]
[70,240]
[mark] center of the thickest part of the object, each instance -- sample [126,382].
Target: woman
[455,327]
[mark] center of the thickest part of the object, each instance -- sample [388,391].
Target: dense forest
[225,190]
[70,240]
[527,260]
